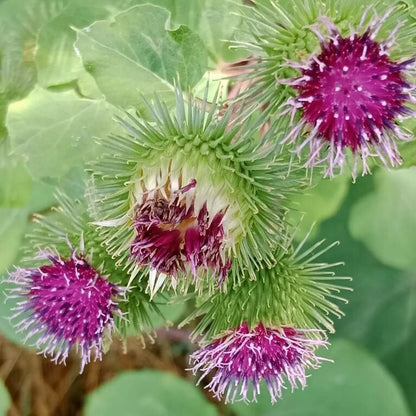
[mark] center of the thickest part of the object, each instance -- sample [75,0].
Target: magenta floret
[172,236]
[351,96]
[63,304]
[245,357]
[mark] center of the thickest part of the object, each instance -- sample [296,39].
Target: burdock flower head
[243,358]
[68,292]
[268,329]
[351,96]
[353,83]
[190,193]
[65,302]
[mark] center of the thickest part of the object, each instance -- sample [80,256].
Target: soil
[39,387]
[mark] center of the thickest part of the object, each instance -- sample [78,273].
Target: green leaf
[3,112]
[318,203]
[88,87]
[15,186]
[17,72]
[45,189]
[6,307]
[408,153]
[56,59]
[148,392]
[381,314]
[28,16]
[54,132]
[19,23]
[6,328]
[355,384]
[385,220]
[216,21]
[42,196]
[15,194]
[401,360]
[171,312]
[136,55]
[12,226]
[4,399]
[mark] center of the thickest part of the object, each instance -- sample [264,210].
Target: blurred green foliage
[355,384]
[148,392]
[385,220]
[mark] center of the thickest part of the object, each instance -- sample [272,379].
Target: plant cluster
[190,183]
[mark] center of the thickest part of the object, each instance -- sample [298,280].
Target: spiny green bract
[236,172]
[296,292]
[281,33]
[69,227]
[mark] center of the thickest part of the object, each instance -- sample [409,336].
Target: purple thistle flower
[244,357]
[173,235]
[351,96]
[65,303]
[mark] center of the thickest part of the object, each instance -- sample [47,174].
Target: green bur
[236,173]
[280,34]
[70,226]
[298,292]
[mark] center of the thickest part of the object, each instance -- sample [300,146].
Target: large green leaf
[401,360]
[408,149]
[148,392]
[385,220]
[355,384]
[15,186]
[26,17]
[56,59]
[136,54]
[7,305]
[4,399]
[13,223]
[12,226]
[408,153]
[15,194]
[381,314]
[17,71]
[54,132]
[43,196]
[216,21]
[318,203]
[20,22]
[6,328]
[3,112]
[15,197]
[44,190]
